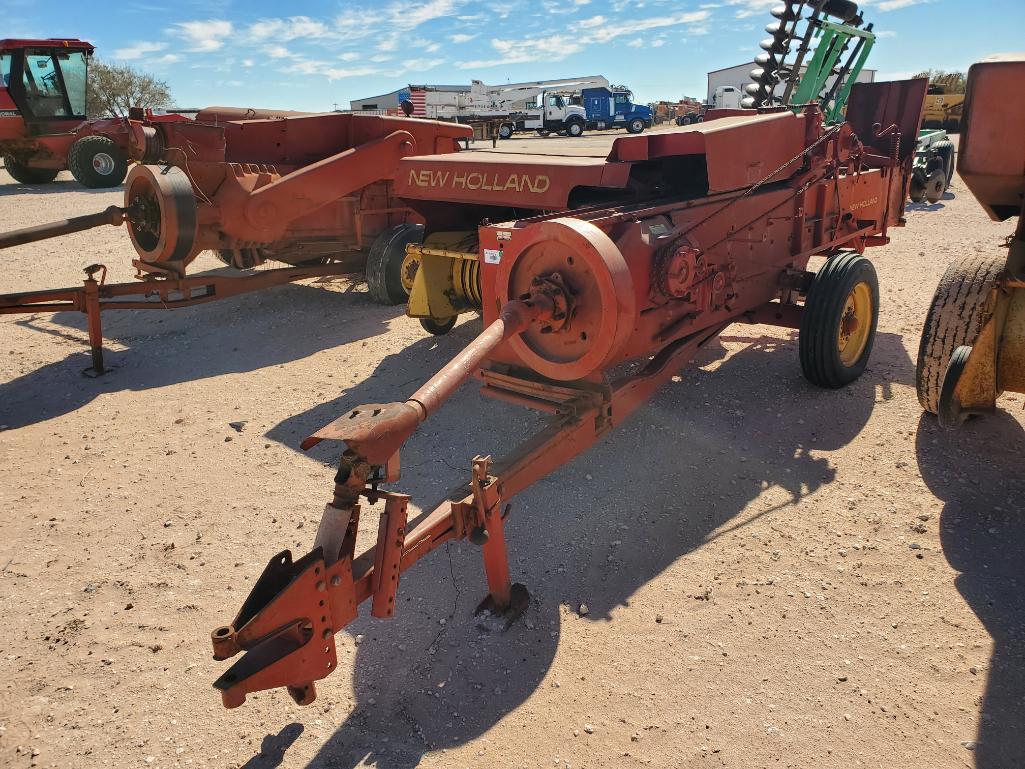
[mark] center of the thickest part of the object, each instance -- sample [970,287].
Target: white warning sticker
[503,235]
[492,256]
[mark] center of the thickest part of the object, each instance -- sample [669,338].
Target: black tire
[825,312]
[543,132]
[574,128]
[945,150]
[635,126]
[936,185]
[241,259]
[26,174]
[957,314]
[438,327]
[950,413]
[845,10]
[505,131]
[916,188]
[97,162]
[384,263]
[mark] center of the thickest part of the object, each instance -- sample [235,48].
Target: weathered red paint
[712,228]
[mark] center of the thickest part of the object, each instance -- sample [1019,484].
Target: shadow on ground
[977,472]
[673,477]
[55,187]
[241,334]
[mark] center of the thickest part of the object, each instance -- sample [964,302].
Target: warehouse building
[740,75]
[390,101]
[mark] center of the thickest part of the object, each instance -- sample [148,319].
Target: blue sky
[313,55]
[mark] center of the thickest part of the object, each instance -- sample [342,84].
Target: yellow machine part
[997,360]
[1011,359]
[447,276]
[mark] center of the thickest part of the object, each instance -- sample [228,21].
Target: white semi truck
[541,105]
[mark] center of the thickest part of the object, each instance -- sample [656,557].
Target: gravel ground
[773,575]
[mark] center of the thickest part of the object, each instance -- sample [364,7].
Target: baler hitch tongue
[286,628]
[114,215]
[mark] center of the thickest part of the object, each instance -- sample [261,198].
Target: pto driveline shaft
[114,215]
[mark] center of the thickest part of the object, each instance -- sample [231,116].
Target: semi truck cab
[614,108]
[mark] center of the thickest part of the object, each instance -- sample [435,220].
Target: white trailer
[540,105]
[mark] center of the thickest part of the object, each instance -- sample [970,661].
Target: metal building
[390,101]
[740,75]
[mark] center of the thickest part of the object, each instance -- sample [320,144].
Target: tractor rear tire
[28,175]
[838,325]
[97,162]
[384,263]
[635,126]
[959,310]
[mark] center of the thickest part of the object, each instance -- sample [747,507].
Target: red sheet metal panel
[739,150]
[992,159]
[532,181]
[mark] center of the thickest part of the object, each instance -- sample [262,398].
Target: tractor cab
[44,81]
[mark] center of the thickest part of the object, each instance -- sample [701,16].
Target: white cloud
[461,37]
[548,49]
[405,16]
[284,30]
[896,5]
[137,50]
[204,36]
[612,31]
[591,23]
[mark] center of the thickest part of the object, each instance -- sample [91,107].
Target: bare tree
[113,88]
[952,82]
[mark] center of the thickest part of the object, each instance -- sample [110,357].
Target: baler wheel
[97,162]
[838,325]
[26,174]
[960,308]
[385,263]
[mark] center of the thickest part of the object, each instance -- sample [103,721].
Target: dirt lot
[775,576]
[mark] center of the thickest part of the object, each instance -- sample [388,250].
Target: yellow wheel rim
[410,265]
[855,324]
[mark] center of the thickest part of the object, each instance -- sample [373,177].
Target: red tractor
[43,125]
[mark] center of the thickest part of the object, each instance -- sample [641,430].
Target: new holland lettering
[476,180]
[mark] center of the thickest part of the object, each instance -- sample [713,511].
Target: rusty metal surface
[569,295]
[991,160]
[877,106]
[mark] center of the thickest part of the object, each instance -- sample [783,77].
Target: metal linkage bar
[95,296]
